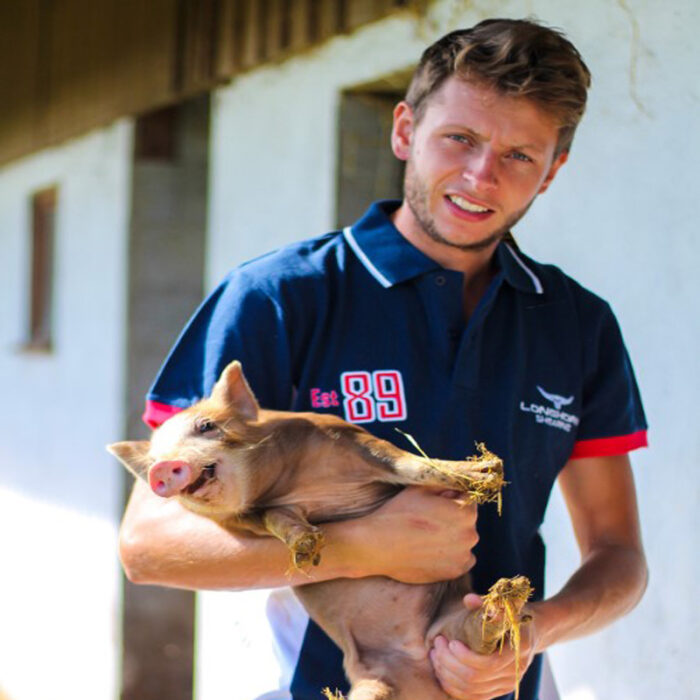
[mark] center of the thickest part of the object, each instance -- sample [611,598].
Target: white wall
[619,218]
[60,493]
[621,221]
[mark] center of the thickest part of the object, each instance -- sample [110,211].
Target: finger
[452,683]
[474,687]
[457,661]
[472,601]
[483,662]
[449,494]
[445,658]
[466,683]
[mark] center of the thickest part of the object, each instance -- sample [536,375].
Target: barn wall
[60,492]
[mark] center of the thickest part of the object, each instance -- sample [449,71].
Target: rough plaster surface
[60,493]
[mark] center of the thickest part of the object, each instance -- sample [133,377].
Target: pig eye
[205,426]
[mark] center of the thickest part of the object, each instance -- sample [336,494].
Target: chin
[468,242]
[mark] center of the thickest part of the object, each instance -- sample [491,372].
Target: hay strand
[505,601]
[481,479]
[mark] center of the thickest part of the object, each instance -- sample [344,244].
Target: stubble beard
[416,196]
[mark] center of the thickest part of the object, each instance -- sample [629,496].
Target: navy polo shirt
[362,324]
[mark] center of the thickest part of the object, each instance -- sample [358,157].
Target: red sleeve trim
[606,447]
[157,413]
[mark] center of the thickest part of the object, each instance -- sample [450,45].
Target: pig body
[282,474]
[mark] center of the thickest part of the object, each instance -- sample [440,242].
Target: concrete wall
[60,492]
[618,218]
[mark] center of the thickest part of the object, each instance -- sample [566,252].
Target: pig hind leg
[403,680]
[474,474]
[471,474]
[386,674]
[371,689]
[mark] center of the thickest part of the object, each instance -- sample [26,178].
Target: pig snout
[168,478]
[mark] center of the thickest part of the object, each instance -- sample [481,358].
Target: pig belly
[380,625]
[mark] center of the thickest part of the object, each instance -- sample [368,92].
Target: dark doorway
[367,168]
[166,283]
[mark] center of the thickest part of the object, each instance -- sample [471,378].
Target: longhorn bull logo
[558,401]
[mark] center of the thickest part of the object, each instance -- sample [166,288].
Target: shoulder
[559,287]
[302,263]
[282,295]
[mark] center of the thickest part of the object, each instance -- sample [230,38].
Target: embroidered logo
[553,417]
[558,401]
[370,396]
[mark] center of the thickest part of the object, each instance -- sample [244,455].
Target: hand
[419,536]
[466,675]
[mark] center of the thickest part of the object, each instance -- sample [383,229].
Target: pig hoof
[306,549]
[303,560]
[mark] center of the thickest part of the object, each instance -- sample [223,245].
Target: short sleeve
[238,321]
[612,417]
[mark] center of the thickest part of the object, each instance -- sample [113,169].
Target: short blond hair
[516,57]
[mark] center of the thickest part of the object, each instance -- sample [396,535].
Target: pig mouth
[206,475]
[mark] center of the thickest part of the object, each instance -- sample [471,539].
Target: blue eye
[521,157]
[459,138]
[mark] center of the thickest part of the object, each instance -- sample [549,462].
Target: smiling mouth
[466,205]
[207,474]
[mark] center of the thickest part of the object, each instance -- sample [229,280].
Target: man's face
[475,162]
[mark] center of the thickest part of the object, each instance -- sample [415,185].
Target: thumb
[472,601]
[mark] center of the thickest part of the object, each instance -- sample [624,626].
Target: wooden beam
[276,29]
[300,15]
[19,77]
[67,66]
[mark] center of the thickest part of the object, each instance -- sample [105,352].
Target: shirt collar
[518,270]
[386,254]
[391,259]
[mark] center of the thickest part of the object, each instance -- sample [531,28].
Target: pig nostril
[177,471]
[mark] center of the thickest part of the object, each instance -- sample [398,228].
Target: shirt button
[440,280]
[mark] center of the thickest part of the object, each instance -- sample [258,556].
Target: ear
[133,454]
[402,131]
[553,170]
[232,391]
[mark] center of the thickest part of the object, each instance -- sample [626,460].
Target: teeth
[466,204]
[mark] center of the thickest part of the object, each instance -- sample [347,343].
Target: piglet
[284,474]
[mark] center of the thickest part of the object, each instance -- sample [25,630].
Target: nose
[168,478]
[480,170]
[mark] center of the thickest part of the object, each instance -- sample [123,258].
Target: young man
[424,315]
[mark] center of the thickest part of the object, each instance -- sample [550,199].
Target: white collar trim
[352,242]
[535,279]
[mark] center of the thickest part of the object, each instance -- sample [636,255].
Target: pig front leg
[304,540]
[499,619]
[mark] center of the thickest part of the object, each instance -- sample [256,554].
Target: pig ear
[232,391]
[133,454]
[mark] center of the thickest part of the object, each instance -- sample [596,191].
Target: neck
[473,263]
[473,288]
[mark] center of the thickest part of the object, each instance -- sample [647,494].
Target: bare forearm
[161,543]
[416,537]
[608,584]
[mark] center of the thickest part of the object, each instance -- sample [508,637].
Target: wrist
[549,619]
[346,549]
